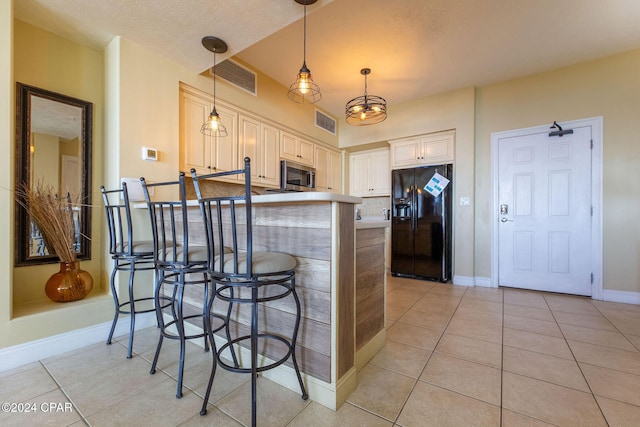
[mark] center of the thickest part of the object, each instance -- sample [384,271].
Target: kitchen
[122,127]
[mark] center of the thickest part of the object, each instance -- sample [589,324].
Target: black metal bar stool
[128,255]
[245,278]
[178,264]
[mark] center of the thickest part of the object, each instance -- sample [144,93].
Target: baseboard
[484,282]
[22,354]
[370,349]
[463,280]
[627,297]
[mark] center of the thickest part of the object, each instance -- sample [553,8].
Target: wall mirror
[53,136]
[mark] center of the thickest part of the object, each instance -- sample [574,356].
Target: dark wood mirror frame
[23,172]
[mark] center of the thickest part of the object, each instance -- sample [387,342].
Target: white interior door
[545,212]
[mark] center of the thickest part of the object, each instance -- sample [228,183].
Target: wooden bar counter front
[319,230]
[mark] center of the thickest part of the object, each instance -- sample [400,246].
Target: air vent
[237,75]
[325,122]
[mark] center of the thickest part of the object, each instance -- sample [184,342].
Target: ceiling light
[366,109]
[213,126]
[304,90]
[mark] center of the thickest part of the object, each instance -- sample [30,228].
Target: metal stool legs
[224,292]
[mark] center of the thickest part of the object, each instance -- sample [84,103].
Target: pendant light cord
[304,44]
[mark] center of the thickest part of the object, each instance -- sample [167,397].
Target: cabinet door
[289,147]
[305,151]
[406,153]
[379,174]
[322,169]
[335,172]
[359,175]
[270,156]
[195,148]
[249,146]
[296,149]
[438,149]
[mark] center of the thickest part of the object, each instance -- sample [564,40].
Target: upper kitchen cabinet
[369,173]
[203,153]
[261,143]
[296,149]
[328,170]
[431,149]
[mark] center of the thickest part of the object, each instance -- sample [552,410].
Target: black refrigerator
[421,222]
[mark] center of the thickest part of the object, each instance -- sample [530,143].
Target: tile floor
[454,356]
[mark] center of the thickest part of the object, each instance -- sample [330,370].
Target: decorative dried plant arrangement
[53,215]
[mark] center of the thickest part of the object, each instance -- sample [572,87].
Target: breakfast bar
[340,278]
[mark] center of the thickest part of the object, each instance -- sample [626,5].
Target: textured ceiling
[415,48]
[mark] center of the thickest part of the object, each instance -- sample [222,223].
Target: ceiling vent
[325,122]
[237,75]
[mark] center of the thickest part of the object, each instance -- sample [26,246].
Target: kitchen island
[342,293]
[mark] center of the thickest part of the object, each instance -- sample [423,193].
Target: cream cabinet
[431,149]
[296,149]
[369,173]
[328,170]
[203,153]
[261,143]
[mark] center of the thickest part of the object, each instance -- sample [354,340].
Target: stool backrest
[169,222]
[119,224]
[227,223]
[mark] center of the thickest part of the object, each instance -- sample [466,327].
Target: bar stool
[128,255]
[245,277]
[178,264]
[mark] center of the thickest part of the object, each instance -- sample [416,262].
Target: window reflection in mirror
[54,147]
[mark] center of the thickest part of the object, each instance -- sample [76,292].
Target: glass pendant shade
[304,90]
[366,109]
[213,125]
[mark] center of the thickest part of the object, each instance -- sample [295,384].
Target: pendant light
[304,90]
[366,109]
[213,126]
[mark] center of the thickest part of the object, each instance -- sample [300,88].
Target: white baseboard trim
[22,354]
[485,282]
[627,297]
[463,280]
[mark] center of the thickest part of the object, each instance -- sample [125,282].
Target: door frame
[596,195]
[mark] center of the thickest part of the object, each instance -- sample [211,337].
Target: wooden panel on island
[319,230]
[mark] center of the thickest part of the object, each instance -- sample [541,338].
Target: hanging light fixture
[304,90]
[366,109]
[213,126]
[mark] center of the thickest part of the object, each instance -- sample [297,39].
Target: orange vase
[69,284]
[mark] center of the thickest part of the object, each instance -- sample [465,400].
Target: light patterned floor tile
[543,367]
[619,414]
[541,327]
[549,402]
[545,344]
[413,335]
[529,312]
[439,407]
[613,384]
[464,377]
[402,358]
[484,352]
[620,360]
[598,337]
[316,415]
[381,392]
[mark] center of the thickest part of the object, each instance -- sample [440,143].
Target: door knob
[505,220]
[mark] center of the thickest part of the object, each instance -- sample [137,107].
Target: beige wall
[7,154]
[608,87]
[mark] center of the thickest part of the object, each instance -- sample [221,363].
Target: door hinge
[592,144]
[592,278]
[591,210]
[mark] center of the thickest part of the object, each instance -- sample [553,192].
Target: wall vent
[237,75]
[326,122]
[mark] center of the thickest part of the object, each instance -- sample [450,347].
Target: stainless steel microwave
[297,177]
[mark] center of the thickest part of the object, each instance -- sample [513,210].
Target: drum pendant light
[304,90]
[366,109]
[213,126]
